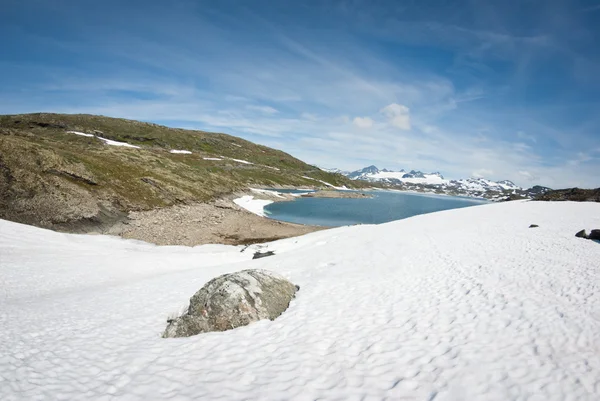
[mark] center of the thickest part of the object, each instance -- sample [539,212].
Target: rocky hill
[75,172]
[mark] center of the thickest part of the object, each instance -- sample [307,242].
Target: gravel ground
[221,222]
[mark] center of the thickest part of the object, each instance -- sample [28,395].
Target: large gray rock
[234,300]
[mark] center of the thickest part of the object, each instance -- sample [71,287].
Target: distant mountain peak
[435,182]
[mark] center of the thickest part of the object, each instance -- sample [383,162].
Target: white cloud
[521,147]
[526,175]
[482,173]
[309,116]
[363,122]
[526,137]
[398,115]
[263,109]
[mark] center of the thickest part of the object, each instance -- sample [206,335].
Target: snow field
[466,304]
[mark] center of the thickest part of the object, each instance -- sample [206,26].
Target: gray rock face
[258,255]
[234,300]
[581,234]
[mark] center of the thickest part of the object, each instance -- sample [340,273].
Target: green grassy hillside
[50,177]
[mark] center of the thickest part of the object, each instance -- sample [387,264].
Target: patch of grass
[49,162]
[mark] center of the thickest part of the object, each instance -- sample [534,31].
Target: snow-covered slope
[467,304]
[413,177]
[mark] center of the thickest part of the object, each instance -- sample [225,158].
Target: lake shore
[237,219]
[220,222]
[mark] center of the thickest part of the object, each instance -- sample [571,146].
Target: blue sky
[500,89]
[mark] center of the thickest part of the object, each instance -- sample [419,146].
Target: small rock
[258,255]
[594,235]
[233,300]
[581,234]
[533,226]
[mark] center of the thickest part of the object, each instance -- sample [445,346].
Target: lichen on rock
[233,300]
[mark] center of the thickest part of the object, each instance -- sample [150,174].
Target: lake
[385,206]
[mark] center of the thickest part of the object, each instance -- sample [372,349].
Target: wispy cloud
[526,137]
[363,122]
[366,85]
[262,109]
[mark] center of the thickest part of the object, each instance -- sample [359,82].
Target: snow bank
[109,141]
[342,188]
[80,134]
[268,192]
[117,143]
[466,304]
[255,206]
[183,152]
[240,161]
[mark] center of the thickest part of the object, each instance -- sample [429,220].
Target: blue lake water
[383,207]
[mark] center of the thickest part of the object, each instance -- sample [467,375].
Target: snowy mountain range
[435,182]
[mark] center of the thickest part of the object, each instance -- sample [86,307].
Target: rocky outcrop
[258,255]
[234,300]
[594,235]
[571,194]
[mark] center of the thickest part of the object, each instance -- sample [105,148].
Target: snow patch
[240,161]
[212,158]
[106,141]
[252,205]
[81,134]
[268,192]
[183,152]
[117,143]
[342,188]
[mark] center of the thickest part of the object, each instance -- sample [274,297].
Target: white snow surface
[466,304]
[212,158]
[255,206]
[268,192]
[111,142]
[117,143]
[342,188]
[183,152]
[241,161]
[81,134]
